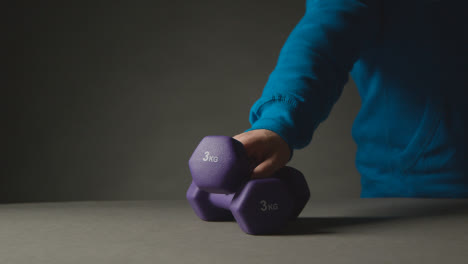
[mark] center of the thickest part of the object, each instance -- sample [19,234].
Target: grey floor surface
[346,231]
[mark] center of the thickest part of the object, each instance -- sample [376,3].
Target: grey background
[107,100]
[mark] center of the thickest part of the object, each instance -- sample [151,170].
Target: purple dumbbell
[260,206]
[219,164]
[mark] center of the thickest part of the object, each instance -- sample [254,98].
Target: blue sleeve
[313,67]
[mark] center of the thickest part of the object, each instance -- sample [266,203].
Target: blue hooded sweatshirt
[409,61]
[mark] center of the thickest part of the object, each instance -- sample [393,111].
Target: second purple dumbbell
[221,188]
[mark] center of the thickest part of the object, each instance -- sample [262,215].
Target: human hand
[266,149]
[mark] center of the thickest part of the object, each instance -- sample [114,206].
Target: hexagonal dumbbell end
[204,208]
[297,185]
[219,164]
[263,206]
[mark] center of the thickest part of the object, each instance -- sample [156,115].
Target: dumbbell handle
[221,200]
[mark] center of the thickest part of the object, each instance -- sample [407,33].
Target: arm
[313,67]
[308,79]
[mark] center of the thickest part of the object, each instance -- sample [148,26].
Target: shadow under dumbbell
[398,210]
[327,225]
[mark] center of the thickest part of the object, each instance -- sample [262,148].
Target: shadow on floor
[400,211]
[328,225]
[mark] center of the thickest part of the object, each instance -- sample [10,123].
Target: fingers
[266,169]
[266,151]
[255,151]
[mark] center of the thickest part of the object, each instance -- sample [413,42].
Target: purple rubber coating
[219,164]
[297,186]
[263,206]
[204,208]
